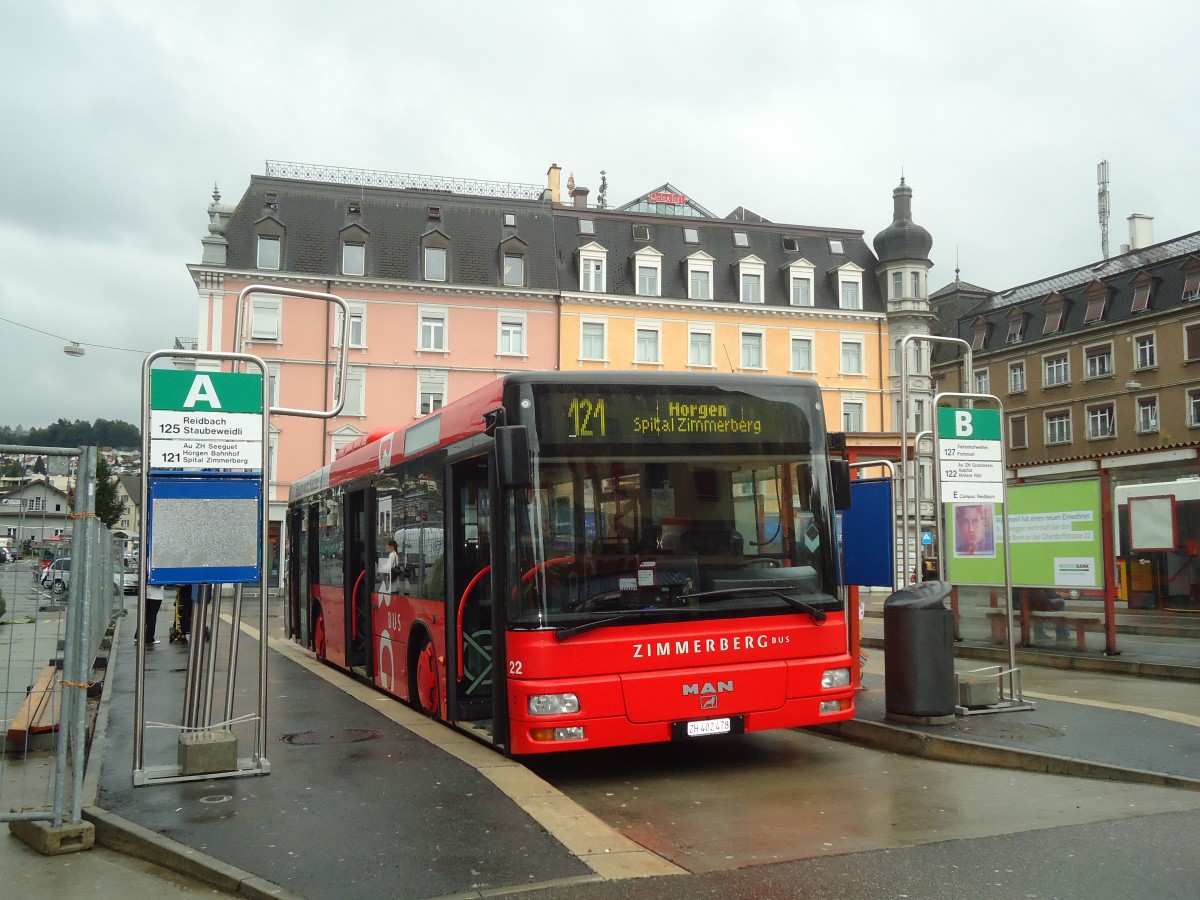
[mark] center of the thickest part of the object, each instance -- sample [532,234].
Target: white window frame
[425,273]
[1192,405]
[587,226]
[1097,415]
[647,336]
[650,259]
[981,379]
[1017,383]
[429,314]
[848,275]
[916,282]
[854,415]
[1097,353]
[1057,420]
[273,383]
[1145,351]
[1051,366]
[266,320]
[512,325]
[1146,417]
[854,341]
[358,326]
[802,270]
[897,285]
[749,268]
[504,269]
[338,439]
[752,333]
[700,262]
[584,325]
[265,240]
[593,269]
[434,382]
[361,247]
[802,337]
[705,331]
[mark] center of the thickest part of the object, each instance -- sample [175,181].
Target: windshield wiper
[570,631]
[817,615]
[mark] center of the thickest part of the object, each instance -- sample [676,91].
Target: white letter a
[202,391]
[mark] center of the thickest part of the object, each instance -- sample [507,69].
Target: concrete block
[52,840]
[201,752]
[975,693]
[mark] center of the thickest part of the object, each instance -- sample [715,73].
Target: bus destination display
[590,416]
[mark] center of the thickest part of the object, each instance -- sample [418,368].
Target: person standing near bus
[154,599]
[392,568]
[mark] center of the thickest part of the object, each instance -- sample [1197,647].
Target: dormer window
[979,332]
[648,265]
[1143,287]
[740,239]
[354,258]
[593,264]
[435,256]
[750,279]
[269,251]
[1016,327]
[1054,307]
[512,262]
[1097,294]
[700,276]
[801,277]
[849,278]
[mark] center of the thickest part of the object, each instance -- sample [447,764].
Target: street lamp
[73,349]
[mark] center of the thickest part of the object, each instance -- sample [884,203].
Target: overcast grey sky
[120,115]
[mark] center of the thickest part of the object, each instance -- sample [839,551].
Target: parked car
[125,575]
[57,576]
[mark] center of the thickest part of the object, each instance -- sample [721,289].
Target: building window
[354,259]
[264,320]
[801,291]
[358,327]
[1058,427]
[592,269]
[1145,351]
[1017,433]
[802,354]
[433,330]
[700,348]
[851,295]
[1016,327]
[916,285]
[1095,308]
[1098,361]
[514,270]
[1143,285]
[852,415]
[1147,414]
[979,332]
[1058,370]
[1191,281]
[751,287]
[1193,408]
[835,246]
[1102,421]
[647,339]
[647,281]
[983,382]
[752,349]
[1191,342]
[510,220]
[592,340]
[1054,314]
[791,244]
[356,387]
[740,239]
[691,236]
[852,357]
[641,232]
[269,251]
[698,284]
[435,264]
[897,285]
[1016,378]
[431,392]
[273,384]
[512,335]
[587,226]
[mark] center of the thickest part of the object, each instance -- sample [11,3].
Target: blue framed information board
[204,529]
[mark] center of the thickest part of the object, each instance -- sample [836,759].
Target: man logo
[721,687]
[708,703]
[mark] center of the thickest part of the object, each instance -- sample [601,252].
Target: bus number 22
[514,667]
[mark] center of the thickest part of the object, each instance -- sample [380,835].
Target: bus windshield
[626,538]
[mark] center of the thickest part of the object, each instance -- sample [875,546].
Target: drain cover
[341,736]
[994,727]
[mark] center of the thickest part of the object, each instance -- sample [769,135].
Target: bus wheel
[424,687]
[319,636]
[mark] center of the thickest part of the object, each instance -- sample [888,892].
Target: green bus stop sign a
[225,392]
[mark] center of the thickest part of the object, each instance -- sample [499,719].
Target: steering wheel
[528,579]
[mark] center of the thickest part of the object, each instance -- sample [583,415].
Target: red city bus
[561,561]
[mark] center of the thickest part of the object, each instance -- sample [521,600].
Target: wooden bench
[39,714]
[1081,621]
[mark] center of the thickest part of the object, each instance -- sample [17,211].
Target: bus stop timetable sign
[205,420]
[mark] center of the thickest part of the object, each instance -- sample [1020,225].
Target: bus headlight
[835,678]
[553,704]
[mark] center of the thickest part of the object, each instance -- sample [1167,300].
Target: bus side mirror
[839,474]
[513,469]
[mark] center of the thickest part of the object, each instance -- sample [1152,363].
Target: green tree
[109,507]
[39,466]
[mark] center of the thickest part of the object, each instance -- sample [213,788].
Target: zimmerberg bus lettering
[696,418]
[701,645]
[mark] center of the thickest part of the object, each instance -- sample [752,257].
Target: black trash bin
[918,662]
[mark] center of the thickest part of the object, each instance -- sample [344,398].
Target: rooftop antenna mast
[1102,204]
